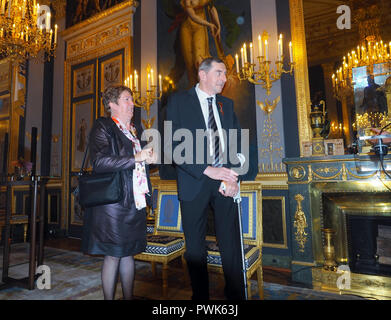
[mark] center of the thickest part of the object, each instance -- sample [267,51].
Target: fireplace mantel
[354,184]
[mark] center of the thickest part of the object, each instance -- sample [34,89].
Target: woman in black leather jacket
[118,231]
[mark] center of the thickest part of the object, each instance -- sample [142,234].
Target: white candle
[260,46]
[152,78]
[280,48]
[237,63]
[266,51]
[51,36]
[9,8]
[251,53]
[290,52]
[245,53]
[55,33]
[24,8]
[148,81]
[160,83]
[242,56]
[135,80]
[47,21]
[131,82]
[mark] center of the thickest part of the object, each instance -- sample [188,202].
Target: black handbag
[96,189]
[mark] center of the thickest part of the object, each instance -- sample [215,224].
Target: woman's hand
[147,155]
[152,157]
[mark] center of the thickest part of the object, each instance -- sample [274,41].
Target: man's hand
[231,189]
[223,174]
[377,132]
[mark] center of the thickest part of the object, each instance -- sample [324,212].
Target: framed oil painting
[178,57]
[82,119]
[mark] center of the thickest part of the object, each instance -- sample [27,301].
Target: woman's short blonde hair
[112,94]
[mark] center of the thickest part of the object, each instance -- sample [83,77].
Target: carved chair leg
[165,280]
[260,282]
[249,295]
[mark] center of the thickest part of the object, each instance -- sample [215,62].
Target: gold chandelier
[370,51]
[25,30]
[368,54]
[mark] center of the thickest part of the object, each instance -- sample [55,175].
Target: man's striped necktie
[213,127]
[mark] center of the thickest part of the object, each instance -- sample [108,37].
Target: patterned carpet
[75,276]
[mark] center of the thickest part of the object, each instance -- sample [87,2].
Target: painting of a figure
[81,136]
[191,30]
[81,122]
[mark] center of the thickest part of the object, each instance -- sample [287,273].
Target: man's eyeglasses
[126,98]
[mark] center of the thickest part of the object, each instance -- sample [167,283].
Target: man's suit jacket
[184,110]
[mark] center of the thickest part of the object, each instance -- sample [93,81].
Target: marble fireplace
[351,196]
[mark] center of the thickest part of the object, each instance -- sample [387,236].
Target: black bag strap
[115,147]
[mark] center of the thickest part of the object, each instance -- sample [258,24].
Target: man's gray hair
[206,64]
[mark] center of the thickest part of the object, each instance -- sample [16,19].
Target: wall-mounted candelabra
[257,70]
[152,93]
[260,72]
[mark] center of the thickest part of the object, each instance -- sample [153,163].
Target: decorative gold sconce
[260,73]
[153,92]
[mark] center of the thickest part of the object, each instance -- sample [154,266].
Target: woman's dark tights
[110,269]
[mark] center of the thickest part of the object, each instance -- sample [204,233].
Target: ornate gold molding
[300,224]
[91,42]
[301,70]
[102,15]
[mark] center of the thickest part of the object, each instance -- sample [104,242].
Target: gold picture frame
[82,119]
[83,81]
[283,245]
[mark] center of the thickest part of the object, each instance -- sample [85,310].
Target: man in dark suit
[201,178]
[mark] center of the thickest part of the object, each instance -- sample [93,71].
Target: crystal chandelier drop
[25,30]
